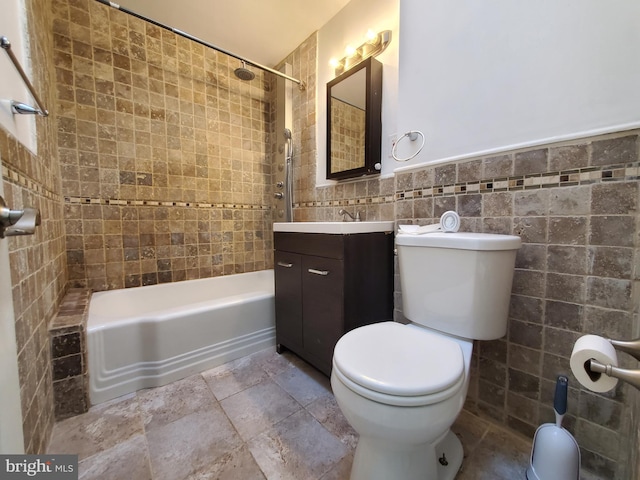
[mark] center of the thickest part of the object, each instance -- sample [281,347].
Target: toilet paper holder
[632,377]
[632,347]
[17,222]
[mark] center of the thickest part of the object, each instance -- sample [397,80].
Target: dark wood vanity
[328,284]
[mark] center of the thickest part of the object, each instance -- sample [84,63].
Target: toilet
[401,387]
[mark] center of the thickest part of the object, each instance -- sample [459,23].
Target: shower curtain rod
[300,83]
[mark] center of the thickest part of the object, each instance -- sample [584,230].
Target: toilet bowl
[401,387]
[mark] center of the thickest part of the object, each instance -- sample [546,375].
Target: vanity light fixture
[374,45]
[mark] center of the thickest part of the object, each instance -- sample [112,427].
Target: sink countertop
[334,227]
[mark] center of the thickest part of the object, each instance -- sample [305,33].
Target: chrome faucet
[344,214]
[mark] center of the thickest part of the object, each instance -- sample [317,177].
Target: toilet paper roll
[600,349]
[450,221]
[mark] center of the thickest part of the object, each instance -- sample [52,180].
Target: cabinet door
[322,304]
[288,299]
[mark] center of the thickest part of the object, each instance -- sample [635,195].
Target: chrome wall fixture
[245,61]
[19,107]
[630,376]
[413,136]
[17,222]
[374,45]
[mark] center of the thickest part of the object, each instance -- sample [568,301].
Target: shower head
[243,73]
[287,134]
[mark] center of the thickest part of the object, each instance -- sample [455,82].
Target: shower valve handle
[279,195]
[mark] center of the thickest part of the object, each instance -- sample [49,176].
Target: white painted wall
[485,76]
[11,435]
[349,27]
[13,26]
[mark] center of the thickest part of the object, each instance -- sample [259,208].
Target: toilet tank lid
[460,240]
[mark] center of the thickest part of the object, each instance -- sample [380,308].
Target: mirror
[354,126]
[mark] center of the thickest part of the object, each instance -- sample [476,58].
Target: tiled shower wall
[166,173]
[303,64]
[37,262]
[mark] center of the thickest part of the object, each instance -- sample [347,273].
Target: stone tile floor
[265,416]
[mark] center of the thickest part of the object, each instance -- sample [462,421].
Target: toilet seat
[392,363]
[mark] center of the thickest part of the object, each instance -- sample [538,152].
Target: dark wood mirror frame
[372,87]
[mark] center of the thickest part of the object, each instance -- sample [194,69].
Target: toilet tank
[458,283]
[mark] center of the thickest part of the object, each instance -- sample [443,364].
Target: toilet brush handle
[560,398]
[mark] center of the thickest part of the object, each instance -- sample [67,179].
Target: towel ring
[413,135]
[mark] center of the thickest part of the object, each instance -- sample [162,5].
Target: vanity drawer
[318,244]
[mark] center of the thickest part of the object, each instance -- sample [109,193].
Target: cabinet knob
[319,272]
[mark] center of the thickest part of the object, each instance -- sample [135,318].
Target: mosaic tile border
[343,203]
[17,178]
[565,178]
[157,203]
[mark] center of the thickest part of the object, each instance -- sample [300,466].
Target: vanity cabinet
[328,284]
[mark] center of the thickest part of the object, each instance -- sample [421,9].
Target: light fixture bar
[370,48]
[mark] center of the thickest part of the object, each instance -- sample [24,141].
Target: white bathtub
[150,336]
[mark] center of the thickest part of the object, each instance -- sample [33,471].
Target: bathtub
[150,336]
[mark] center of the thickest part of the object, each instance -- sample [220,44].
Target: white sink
[334,227]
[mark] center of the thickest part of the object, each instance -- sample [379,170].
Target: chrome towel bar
[18,107]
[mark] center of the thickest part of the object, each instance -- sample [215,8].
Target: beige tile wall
[38,266]
[165,166]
